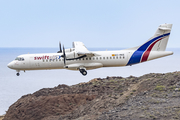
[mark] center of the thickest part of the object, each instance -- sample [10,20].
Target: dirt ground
[1,117]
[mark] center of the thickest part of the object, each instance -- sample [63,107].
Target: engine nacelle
[71,55]
[69,50]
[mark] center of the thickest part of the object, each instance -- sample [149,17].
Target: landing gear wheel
[83,72]
[17,74]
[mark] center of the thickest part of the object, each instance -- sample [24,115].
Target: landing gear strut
[17,74]
[83,72]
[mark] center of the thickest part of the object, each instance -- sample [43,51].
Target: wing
[81,49]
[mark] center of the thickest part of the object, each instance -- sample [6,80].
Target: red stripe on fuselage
[147,52]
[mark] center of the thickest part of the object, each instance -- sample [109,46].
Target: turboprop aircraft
[80,58]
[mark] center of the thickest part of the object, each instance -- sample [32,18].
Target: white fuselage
[80,58]
[55,61]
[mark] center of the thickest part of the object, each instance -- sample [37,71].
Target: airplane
[81,59]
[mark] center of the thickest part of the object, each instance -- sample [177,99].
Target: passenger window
[89,58]
[97,58]
[110,57]
[107,58]
[86,58]
[104,58]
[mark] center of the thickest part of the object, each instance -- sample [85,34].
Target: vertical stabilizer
[156,43]
[162,35]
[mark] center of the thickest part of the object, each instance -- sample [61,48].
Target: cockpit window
[20,59]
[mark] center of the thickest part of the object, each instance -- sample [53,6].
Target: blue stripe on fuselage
[136,57]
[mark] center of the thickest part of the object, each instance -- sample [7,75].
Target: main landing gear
[83,72]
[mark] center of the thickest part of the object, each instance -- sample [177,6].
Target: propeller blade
[60,50]
[60,47]
[64,54]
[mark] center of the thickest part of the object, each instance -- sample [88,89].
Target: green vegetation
[154,95]
[134,90]
[121,93]
[172,87]
[176,117]
[160,88]
[153,101]
[117,89]
[112,81]
[57,105]
[57,113]
[152,116]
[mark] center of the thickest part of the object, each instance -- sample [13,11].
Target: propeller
[60,50]
[64,55]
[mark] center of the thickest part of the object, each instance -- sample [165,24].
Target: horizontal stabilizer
[159,54]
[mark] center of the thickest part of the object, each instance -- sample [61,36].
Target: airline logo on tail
[142,53]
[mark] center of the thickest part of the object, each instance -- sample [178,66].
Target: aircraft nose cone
[10,65]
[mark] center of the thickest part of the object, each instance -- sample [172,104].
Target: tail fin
[158,42]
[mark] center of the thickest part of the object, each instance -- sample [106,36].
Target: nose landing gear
[17,74]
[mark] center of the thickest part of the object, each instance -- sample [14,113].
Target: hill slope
[151,96]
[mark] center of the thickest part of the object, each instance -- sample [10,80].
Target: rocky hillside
[151,96]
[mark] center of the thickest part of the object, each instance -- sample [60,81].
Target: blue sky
[97,23]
